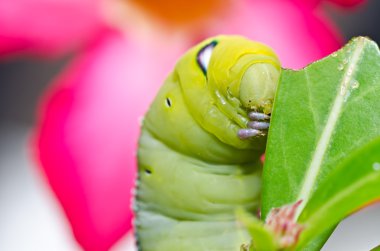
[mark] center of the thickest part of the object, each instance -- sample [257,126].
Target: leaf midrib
[323,143]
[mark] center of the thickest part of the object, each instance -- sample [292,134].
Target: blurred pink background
[76,77]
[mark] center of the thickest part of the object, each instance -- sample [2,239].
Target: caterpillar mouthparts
[257,126]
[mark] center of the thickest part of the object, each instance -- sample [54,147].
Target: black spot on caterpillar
[168,102]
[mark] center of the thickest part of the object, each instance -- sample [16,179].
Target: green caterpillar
[200,147]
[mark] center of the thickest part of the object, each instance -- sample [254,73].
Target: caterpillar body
[200,147]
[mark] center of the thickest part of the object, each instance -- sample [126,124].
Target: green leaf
[376,248]
[262,239]
[322,114]
[353,184]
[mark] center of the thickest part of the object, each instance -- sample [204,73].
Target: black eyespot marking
[204,56]
[168,102]
[147,171]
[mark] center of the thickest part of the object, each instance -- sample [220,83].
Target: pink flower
[87,132]
[87,126]
[45,27]
[299,34]
[347,3]
[341,3]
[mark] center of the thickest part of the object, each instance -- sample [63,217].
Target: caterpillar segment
[200,147]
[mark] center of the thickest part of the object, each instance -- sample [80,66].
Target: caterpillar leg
[256,127]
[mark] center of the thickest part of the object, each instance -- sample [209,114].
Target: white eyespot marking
[204,56]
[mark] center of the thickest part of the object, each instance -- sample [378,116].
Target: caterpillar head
[224,83]
[246,73]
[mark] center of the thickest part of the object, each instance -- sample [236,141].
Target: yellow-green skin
[194,171]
